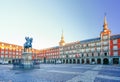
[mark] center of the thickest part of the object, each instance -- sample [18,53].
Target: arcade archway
[74,61]
[66,61]
[115,60]
[98,61]
[78,61]
[83,61]
[105,61]
[70,61]
[87,61]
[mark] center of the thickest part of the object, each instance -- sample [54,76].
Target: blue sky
[44,20]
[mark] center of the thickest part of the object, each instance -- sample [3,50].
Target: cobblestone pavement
[62,73]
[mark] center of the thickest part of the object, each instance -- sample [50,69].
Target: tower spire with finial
[62,42]
[105,26]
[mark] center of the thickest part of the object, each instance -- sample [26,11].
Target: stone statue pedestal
[27,60]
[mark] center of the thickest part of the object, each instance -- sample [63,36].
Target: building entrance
[115,60]
[105,61]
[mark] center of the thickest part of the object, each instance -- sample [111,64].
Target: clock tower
[105,39]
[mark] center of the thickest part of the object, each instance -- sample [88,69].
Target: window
[82,55]
[87,55]
[92,54]
[87,50]
[105,48]
[115,47]
[6,56]
[98,44]
[92,49]
[2,52]
[105,43]
[98,54]
[115,53]
[9,56]
[92,44]
[105,54]
[6,52]
[105,37]
[10,52]
[98,48]
[114,41]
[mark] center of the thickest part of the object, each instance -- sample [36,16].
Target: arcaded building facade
[101,50]
[8,52]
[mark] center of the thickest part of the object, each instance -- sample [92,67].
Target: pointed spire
[105,23]
[105,28]
[62,37]
[62,42]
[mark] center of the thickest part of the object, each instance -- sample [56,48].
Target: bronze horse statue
[28,44]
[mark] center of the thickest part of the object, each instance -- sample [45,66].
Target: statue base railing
[26,62]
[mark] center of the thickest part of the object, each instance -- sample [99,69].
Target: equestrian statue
[28,44]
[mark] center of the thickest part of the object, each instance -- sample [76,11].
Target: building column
[95,60]
[101,60]
[119,60]
[72,61]
[90,60]
[65,61]
[76,61]
[68,61]
[85,61]
[110,61]
[80,61]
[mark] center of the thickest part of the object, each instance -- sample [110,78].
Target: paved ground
[62,73]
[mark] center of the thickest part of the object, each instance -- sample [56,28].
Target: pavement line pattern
[88,76]
[108,77]
[82,67]
[65,72]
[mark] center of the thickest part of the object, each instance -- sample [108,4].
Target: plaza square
[62,73]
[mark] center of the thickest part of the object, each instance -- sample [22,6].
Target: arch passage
[78,61]
[87,61]
[115,60]
[63,61]
[74,61]
[98,61]
[66,60]
[105,61]
[82,61]
[70,61]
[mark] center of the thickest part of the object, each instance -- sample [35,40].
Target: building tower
[62,42]
[105,39]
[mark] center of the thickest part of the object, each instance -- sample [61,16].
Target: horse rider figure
[28,44]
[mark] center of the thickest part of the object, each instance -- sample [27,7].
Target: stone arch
[63,61]
[98,61]
[74,61]
[70,61]
[9,62]
[13,61]
[93,61]
[115,60]
[105,61]
[66,61]
[87,61]
[83,61]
